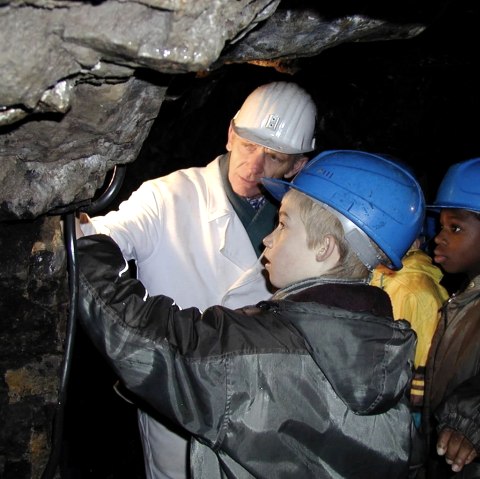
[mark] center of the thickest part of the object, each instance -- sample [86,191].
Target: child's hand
[456,448]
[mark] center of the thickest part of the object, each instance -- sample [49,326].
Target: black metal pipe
[111,191]
[58,421]
[68,215]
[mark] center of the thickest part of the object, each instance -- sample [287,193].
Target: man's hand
[456,448]
[83,218]
[78,221]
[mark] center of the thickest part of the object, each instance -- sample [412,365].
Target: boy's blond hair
[319,222]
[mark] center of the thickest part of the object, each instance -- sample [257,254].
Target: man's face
[249,162]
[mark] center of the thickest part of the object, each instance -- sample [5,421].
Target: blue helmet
[375,196]
[460,187]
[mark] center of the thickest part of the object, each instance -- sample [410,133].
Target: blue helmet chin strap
[358,240]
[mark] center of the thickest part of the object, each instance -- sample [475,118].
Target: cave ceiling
[82,82]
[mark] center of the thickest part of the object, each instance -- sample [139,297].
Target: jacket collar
[217,200]
[348,294]
[230,236]
[310,282]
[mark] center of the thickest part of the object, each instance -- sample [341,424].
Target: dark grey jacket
[311,386]
[452,397]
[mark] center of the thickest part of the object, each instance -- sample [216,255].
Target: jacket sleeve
[461,411]
[151,344]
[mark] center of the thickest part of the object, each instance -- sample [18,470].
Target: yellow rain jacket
[416,295]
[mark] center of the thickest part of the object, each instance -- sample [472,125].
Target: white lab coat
[189,244]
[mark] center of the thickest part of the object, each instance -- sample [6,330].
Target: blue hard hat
[379,196]
[460,187]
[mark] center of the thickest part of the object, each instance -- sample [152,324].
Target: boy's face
[457,242]
[249,162]
[287,257]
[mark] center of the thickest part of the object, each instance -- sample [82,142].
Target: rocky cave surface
[152,84]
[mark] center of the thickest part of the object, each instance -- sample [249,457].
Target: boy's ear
[326,248]
[296,167]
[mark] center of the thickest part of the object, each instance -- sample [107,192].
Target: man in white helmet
[196,234]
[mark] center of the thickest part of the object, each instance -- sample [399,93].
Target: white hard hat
[280,116]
